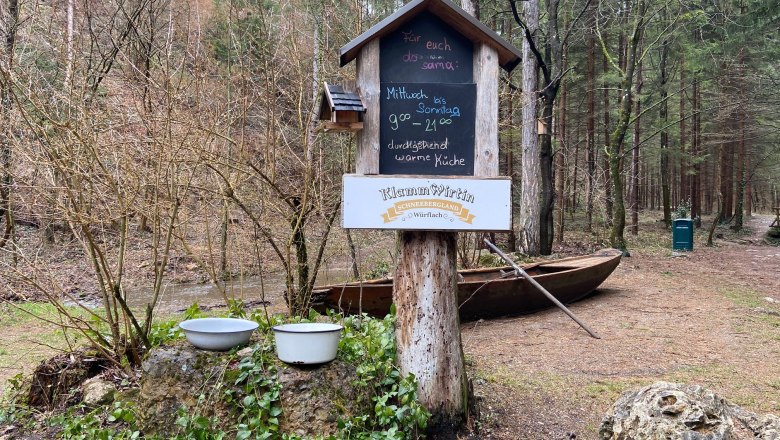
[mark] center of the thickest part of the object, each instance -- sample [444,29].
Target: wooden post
[428,326]
[486,135]
[367,160]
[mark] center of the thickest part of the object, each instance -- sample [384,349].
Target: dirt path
[699,318]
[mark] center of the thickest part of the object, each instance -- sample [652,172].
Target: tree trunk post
[428,326]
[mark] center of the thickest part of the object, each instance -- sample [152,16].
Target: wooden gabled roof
[508,55]
[335,98]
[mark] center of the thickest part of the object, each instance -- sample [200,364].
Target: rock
[766,427]
[313,398]
[244,352]
[96,391]
[175,377]
[683,412]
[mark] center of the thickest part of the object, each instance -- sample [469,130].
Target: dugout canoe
[485,292]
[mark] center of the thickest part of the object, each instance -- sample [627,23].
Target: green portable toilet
[682,234]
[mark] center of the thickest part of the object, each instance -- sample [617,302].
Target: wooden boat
[488,292]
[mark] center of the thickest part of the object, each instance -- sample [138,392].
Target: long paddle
[521,272]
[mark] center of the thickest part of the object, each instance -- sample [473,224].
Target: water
[177,297]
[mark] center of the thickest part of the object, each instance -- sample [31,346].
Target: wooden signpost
[427,165]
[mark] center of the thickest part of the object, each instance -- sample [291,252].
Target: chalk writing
[438,110]
[427,128]
[426,50]
[400,93]
[440,45]
[410,37]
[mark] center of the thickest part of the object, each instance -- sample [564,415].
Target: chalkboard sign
[426,50]
[427,128]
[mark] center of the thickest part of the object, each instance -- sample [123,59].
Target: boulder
[177,377]
[669,411]
[97,391]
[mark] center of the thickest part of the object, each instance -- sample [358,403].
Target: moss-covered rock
[181,379]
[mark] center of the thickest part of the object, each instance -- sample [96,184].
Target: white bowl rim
[308,327]
[188,325]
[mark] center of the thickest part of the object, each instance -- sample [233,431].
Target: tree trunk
[298,299]
[6,133]
[634,197]
[726,169]
[510,171]
[427,326]
[529,208]
[68,45]
[696,151]
[738,218]
[574,184]
[708,177]
[748,186]
[224,274]
[560,166]
[607,147]
[471,7]
[510,154]
[617,239]
[714,224]
[546,210]
[685,194]
[664,121]
[590,133]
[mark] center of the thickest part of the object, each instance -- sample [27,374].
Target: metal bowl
[218,334]
[307,343]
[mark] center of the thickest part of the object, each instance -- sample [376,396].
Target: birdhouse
[340,110]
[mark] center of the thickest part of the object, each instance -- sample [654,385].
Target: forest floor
[709,317]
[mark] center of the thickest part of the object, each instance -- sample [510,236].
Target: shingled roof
[335,98]
[468,26]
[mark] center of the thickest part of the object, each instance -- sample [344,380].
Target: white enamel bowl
[307,343]
[218,334]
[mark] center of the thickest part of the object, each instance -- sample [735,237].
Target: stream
[177,297]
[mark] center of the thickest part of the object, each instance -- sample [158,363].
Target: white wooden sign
[421,203]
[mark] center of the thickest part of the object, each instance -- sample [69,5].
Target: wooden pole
[521,272]
[367,160]
[428,328]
